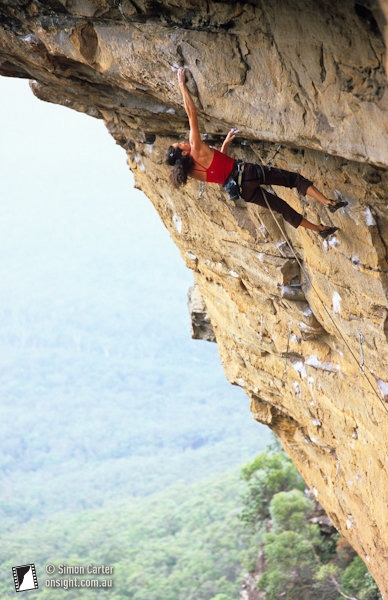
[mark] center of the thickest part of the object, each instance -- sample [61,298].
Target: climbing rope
[261,328]
[362,361]
[270,160]
[377,394]
[286,354]
[119,5]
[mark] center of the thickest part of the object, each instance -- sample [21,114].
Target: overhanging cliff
[302,328]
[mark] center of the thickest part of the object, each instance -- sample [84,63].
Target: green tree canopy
[268,474]
[301,561]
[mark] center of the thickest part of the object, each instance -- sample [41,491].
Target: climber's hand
[229,138]
[231,134]
[181,74]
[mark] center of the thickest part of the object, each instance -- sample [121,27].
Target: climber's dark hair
[181,164]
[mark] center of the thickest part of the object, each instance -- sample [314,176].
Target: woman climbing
[196,159]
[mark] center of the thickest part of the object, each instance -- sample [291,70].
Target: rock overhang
[303,329]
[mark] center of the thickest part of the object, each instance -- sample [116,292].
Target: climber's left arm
[191,111]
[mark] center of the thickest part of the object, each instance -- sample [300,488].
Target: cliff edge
[301,323]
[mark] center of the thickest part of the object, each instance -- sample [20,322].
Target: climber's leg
[266,199]
[289,179]
[303,185]
[314,193]
[252,192]
[323,230]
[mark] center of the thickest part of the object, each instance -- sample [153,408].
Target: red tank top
[219,169]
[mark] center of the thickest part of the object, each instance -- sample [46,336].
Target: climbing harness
[240,167]
[232,185]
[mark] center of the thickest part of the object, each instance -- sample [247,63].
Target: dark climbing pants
[255,176]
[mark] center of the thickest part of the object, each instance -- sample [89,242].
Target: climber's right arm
[229,138]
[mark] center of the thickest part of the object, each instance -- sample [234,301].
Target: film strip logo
[25,578]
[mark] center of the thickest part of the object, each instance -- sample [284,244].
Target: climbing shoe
[333,207]
[327,232]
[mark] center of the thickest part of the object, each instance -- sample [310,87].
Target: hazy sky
[65,184]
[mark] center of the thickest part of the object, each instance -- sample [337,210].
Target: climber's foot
[333,207]
[327,232]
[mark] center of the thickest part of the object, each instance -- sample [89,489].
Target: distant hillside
[185,542]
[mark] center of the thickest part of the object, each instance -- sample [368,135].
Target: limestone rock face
[301,326]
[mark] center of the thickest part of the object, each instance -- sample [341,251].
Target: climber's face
[184,146]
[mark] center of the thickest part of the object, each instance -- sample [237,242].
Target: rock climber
[200,161]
